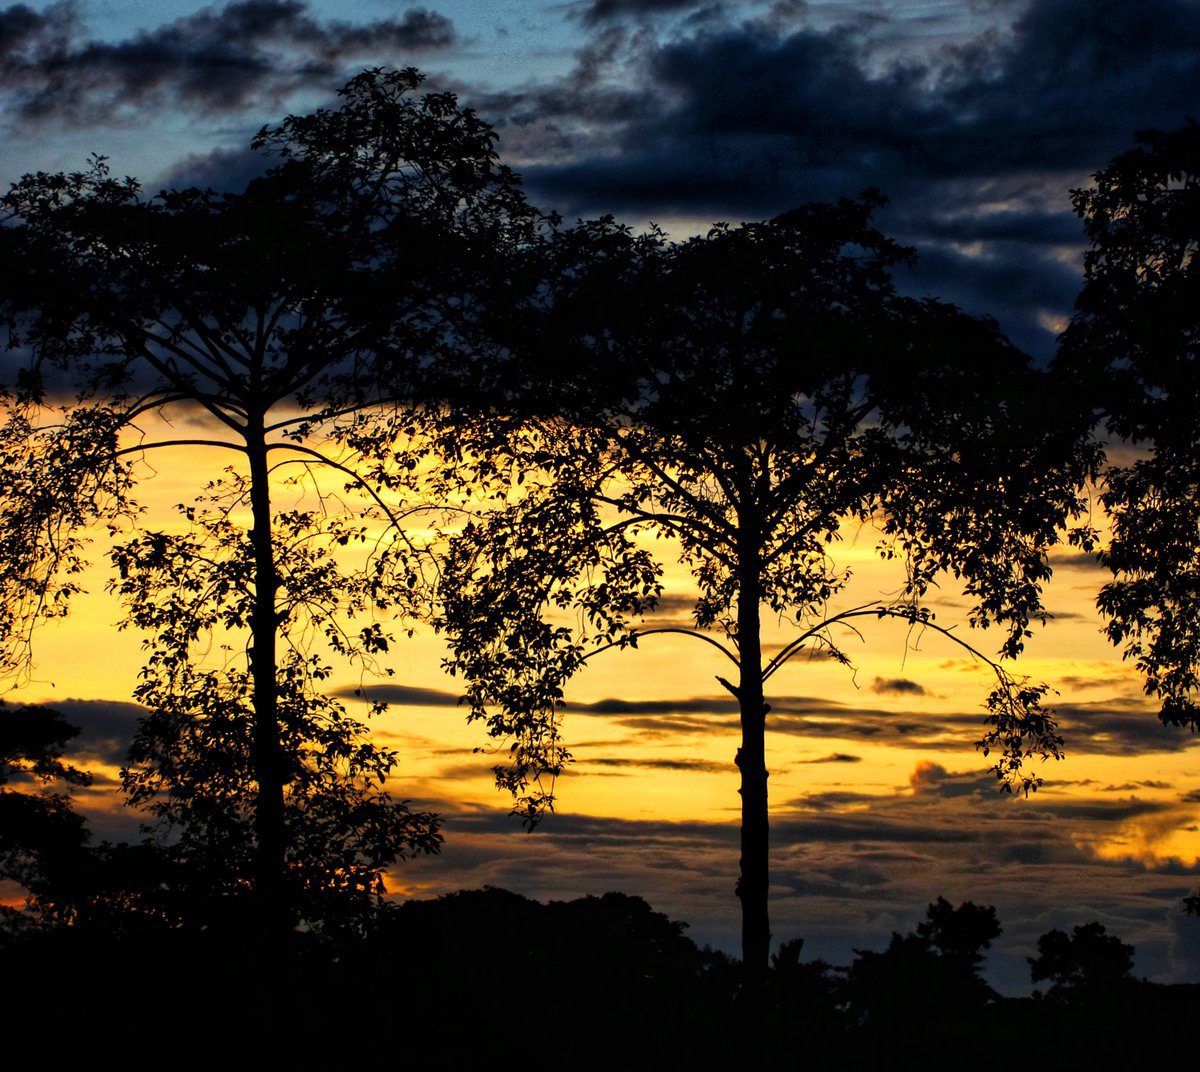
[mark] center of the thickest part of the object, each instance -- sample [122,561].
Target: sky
[976,119]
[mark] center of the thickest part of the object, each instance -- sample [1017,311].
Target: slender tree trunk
[269,827]
[754,880]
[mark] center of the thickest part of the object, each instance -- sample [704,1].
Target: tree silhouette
[1085,966]
[285,323]
[1131,349]
[191,762]
[937,967]
[750,394]
[42,837]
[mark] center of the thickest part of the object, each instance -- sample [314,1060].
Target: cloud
[976,141]
[897,686]
[718,705]
[1118,726]
[598,11]
[1066,559]
[653,727]
[697,766]
[399,695]
[932,779]
[224,170]
[106,729]
[1129,787]
[218,60]
[834,757]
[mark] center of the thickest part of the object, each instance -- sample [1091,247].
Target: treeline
[487,977]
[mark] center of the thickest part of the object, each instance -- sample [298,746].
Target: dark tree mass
[294,318]
[1134,344]
[492,422]
[753,395]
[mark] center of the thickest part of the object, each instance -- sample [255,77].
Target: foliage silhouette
[1088,964]
[598,982]
[287,322]
[1131,349]
[42,837]
[191,763]
[936,967]
[750,394]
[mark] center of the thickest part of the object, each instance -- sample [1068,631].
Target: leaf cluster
[192,763]
[1087,962]
[752,395]
[1132,352]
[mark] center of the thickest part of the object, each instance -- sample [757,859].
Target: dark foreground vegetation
[487,978]
[498,410]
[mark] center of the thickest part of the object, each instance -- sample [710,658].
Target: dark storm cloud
[1125,726]
[837,800]
[214,61]
[849,867]
[224,170]
[932,779]
[1019,277]
[106,728]
[670,725]
[717,705]
[804,716]
[1064,559]
[1118,727]
[976,143]
[698,766]
[1129,787]
[1101,811]
[593,830]
[1113,677]
[1113,726]
[671,605]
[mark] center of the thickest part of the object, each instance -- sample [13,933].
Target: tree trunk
[269,826]
[754,880]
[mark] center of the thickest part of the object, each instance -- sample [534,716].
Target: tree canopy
[1087,963]
[285,323]
[1131,352]
[751,394]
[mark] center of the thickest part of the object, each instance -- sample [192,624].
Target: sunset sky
[976,118]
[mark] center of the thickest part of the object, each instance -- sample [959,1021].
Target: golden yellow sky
[879,801]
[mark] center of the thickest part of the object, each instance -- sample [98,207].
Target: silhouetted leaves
[1086,965]
[938,967]
[752,395]
[1132,350]
[292,323]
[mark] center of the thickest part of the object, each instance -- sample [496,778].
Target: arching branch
[638,633]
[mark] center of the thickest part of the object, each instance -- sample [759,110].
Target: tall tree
[1132,351]
[750,394]
[191,764]
[283,323]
